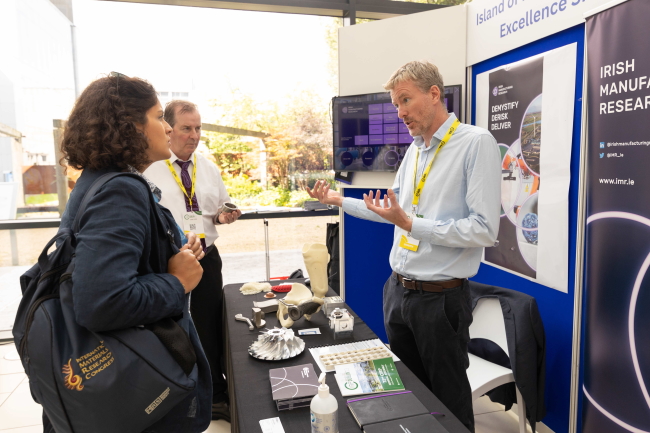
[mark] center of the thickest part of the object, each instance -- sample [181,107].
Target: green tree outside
[298,145]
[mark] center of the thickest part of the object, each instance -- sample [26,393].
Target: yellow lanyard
[417,189]
[178,179]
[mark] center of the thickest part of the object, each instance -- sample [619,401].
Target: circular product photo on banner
[517,181]
[527,230]
[530,135]
[510,179]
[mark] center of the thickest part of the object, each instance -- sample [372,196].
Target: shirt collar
[174,158]
[439,134]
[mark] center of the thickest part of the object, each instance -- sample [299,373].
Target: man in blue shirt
[445,205]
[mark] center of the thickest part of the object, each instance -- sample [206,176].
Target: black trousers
[429,332]
[206,305]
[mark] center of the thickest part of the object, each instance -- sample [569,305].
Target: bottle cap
[323,389]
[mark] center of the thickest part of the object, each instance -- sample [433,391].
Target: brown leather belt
[428,286]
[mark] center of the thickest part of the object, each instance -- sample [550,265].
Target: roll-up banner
[617,284]
[528,108]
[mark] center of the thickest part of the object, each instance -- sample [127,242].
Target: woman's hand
[194,244]
[185,266]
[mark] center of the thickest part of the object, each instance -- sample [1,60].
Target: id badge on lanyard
[193,222]
[406,240]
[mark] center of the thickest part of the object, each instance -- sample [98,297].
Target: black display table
[248,378]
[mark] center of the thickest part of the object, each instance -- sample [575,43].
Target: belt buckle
[406,280]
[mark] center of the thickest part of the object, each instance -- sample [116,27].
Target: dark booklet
[385,407]
[412,424]
[293,387]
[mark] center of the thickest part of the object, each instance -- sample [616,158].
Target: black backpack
[119,381]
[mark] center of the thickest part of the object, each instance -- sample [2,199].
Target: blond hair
[424,75]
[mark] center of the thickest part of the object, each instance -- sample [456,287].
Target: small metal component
[276,344]
[332,302]
[258,315]
[295,312]
[342,323]
[245,319]
[228,207]
[292,310]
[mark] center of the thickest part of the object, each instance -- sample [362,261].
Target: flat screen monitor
[368,135]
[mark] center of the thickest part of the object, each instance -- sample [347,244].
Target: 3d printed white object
[253,288]
[299,293]
[316,259]
[276,344]
[331,360]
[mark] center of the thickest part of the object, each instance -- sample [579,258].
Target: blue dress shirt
[460,204]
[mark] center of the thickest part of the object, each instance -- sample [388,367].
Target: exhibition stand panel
[616,357]
[496,34]
[556,307]
[573,216]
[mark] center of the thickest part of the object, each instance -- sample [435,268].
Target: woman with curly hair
[127,272]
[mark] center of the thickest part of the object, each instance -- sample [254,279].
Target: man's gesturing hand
[322,193]
[390,210]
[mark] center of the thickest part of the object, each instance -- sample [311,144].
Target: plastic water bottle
[324,410]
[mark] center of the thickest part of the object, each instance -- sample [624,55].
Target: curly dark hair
[101,130]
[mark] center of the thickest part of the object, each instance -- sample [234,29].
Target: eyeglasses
[117,76]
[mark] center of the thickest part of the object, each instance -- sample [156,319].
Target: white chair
[484,375]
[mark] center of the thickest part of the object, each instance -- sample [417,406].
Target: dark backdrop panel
[616,361]
[367,247]
[555,307]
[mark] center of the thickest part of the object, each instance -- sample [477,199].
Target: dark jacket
[120,278]
[526,345]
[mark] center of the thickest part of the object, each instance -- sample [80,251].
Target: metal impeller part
[276,344]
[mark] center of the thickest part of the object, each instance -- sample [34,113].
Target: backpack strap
[98,183]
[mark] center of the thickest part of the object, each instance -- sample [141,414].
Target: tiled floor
[491,418]
[19,413]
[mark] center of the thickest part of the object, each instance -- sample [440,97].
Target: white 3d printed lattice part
[333,359]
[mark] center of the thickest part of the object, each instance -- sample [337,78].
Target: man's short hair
[424,74]
[182,106]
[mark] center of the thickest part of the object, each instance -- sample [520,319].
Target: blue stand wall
[555,307]
[366,247]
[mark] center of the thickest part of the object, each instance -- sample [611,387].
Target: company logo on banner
[497,26]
